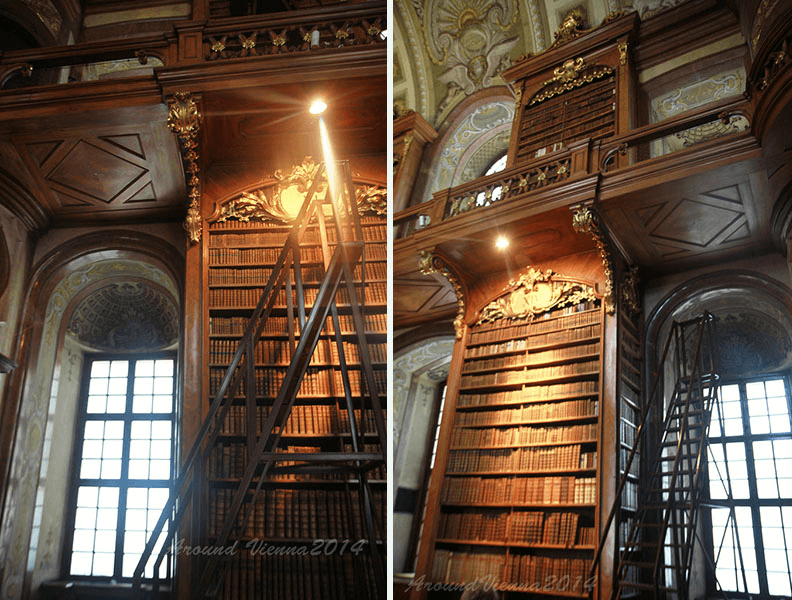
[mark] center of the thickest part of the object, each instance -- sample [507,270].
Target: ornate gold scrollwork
[585,220]
[535,292]
[431,263]
[283,200]
[184,119]
[573,73]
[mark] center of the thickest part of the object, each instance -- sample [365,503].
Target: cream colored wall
[46,545]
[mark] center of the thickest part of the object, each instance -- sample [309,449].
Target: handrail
[596,154]
[648,409]
[349,249]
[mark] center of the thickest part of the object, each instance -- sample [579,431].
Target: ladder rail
[261,455]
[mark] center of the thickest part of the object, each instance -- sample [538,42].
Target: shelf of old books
[306,536]
[519,490]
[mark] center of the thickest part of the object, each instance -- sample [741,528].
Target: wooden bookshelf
[517,495]
[629,418]
[306,537]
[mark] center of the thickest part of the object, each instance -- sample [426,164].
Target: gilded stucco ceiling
[447,50]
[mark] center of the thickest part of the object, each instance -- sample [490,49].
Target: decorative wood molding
[586,220]
[184,119]
[533,293]
[432,263]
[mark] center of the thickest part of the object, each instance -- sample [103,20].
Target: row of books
[285,514]
[317,382]
[521,435]
[520,460]
[573,334]
[278,352]
[550,574]
[530,393]
[518,491]
[309,274]
[230,460]
[484,334]
[374,293]
[532,358]
[253,252]
[311,419]
[527,413]
[451,566]
[264,571]
[525,375]
[518,527]
[375,323]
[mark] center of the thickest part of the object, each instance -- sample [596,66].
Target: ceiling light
[317,107]
[502,242]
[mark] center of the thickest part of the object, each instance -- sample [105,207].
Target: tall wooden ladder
[336,214]
[656,556]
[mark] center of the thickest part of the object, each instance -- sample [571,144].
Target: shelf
[519,384]
[534,505]
[526,445]
[529,422]
[527,474]
[532,365]
[512,544]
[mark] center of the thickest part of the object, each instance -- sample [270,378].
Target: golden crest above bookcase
[280,196]
[535,292]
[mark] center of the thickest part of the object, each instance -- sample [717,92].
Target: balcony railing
[330,29]
[583,158]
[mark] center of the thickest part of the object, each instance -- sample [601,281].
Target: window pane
[102,450]
[164,368]
[87,496]
[81,563]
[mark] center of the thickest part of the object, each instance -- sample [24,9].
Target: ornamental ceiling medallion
[533,293]
[471,39]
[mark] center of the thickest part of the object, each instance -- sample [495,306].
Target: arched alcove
[45,388]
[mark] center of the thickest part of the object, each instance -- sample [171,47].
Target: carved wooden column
[410,134]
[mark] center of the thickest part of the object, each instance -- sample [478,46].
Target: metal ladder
[207,572]
[656,558]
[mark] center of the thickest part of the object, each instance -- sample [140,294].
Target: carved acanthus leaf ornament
[431,263]
[184,119]
[585,220]
[533,293]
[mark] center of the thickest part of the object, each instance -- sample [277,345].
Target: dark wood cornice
[689,26]
[587,44]
[414,123]
[355,61]
[84,96]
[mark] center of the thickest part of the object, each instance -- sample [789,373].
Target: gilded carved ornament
[623,54]
[431,263]
[572,27]
[286,197]
[184,119]
[533,293]
[584,220]
[573,73]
